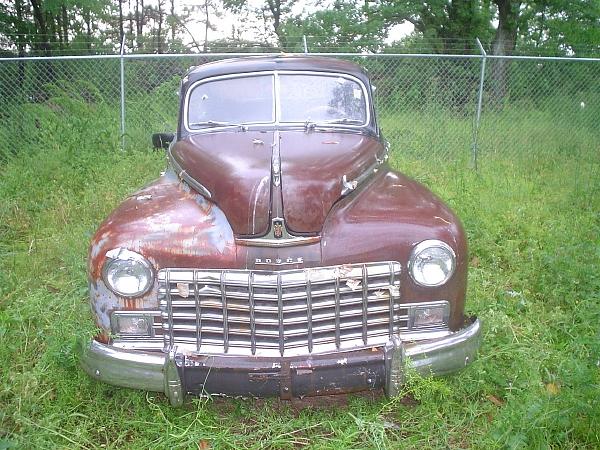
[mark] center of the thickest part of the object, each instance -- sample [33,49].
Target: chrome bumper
[384,367]
[432,357]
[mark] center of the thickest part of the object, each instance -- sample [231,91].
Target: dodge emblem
[278,229]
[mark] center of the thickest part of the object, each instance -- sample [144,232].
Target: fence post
[479,102]
[122,58]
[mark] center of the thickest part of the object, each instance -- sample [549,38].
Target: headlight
[127,273]
[432,263]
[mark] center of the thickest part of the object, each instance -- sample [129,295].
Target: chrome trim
[276,163]
[430,243]
[442,303]
[276,96]
[286,240]
[150,371]
[350,185]
[156,371]
[265,313]
[173,388]
[186,177]
[124,254]
[431,357]
[154,344]
[278,261]
[424,333]
[126,368]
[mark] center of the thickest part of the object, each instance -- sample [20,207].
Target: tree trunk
[139,22]
[20,44]
[41,26]
[87,17]
[130,20]
[46,71]
[503,45]
[206,25]
[65,23]
[58,30]
[121,29]
[159,32]
[131,31]
[51,24]
[275,9]
[174,19]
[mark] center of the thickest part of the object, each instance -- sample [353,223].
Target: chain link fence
[456,111]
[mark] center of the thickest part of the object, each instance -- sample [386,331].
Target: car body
[279,254]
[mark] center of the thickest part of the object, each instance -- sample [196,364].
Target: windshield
[302,98]
[236,100]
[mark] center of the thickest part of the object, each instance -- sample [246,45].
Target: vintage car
[278,254]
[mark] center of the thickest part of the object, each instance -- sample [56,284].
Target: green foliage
[559,26]
[348,26]
[451,26]
[533,227]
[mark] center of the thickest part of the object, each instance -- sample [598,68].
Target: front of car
[278,254]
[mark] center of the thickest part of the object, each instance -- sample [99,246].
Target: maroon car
[278,254]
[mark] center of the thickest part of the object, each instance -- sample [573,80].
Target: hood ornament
[277,229]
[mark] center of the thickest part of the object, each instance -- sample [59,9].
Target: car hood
[235,169]
[312,167]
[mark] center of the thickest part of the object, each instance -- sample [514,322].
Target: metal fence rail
[452,109]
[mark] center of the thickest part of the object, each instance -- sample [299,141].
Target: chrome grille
[285,313]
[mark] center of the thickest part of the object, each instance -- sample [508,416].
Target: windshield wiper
[216,123]
[310,125]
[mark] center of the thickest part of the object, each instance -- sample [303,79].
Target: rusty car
[279,254]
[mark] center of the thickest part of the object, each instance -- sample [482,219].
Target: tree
[565,27]
[272,13]
[449,26]
[349,25]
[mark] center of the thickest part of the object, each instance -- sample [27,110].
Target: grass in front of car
[533,223]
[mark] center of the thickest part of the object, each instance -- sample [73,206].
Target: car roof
[270,63]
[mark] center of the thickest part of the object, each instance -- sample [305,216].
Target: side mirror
[162,140]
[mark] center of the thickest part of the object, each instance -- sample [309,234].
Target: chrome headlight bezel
[122,255]
[427,245]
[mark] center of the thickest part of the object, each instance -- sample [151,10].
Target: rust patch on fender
[171,226]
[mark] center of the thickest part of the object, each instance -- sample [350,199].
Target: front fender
[383,221]
[171,226]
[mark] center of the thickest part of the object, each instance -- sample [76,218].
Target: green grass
[533,224]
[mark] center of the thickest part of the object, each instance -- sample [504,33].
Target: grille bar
[337,313]
[365,300]
[309,311]
[252,317]
[225,321]
[391,305]
[198,314]
[284,313]
[280,304]
[170,308]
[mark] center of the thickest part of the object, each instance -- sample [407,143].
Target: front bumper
[177,374]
